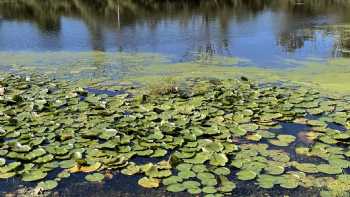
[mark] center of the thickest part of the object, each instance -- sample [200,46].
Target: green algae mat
[204,137]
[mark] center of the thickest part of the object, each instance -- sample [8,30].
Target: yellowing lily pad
[149,182]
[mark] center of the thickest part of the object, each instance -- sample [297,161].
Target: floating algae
[326,75]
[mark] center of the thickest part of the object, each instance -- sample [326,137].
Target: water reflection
[259,30]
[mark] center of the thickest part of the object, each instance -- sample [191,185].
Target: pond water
[117,47]
[262,31]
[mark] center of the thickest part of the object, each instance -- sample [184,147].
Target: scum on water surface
[327,75]
[203,137]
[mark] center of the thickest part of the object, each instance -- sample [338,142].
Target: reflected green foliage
[116,14]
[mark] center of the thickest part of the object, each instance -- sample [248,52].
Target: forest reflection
[291,34]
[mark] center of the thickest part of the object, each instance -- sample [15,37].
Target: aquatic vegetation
[47,185]
[95,177]
[149,182]
[204,138]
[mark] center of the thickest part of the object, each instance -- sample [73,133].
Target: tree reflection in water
[292,32]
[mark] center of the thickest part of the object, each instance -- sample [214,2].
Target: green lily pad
[209,190]
[63,174]
[249,127]
[205,175]
[172,180]
[254,137]
[200,158]
[226,185]
[95,177]
[274,169]
[184,167]
[10,167]
[191,184]
[306,167]
[213,147]
[7,175]
[155,172]
[34,175]
[47,185]
[21,148]
[186,174]
[246,175]
[131,170]
[194,190]
[209,182]
[177,187]
[199,168]
[218,159]
[67,164]
[237,163]
[329,169]
[267,181]
[288,182]
[282,140]
[222,171]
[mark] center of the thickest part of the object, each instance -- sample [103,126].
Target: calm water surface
[262,31]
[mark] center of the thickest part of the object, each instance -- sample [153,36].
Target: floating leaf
[218,159]
[209,190]
[306,167]
[47,185]
[91,168]
[95,177]
[7,175]
[274,169]
[177,187]
[329,169]
[245,175]
[172,180]
[222,171]
[186,174]
[34,175]
[267,181]
[200,158]
[149,182]
[191,184]
[131,170]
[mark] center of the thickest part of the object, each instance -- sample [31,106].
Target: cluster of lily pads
[205,137]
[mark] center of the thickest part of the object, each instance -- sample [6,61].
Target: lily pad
[34,175]
[95,177]
[177,187]
[274,169]
[246,175]
[191,184]
[47,185]
[172,180]
[267,181]
[222,171]
[306,167]
[218,159]
[131,170]
[186,174]
[7,175]
[329,169]
[149,182]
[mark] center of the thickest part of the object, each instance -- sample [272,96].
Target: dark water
[264,31]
